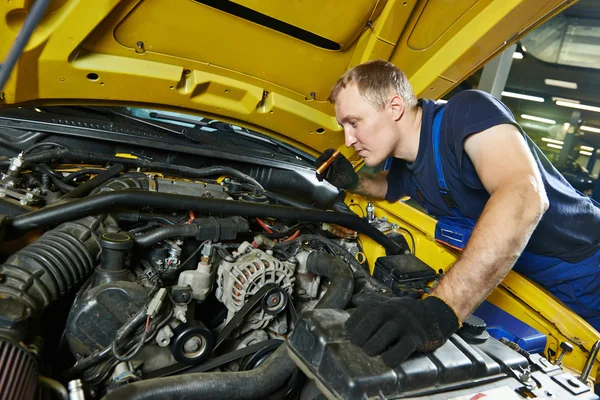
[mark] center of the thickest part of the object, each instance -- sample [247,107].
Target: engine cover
[242,278]
[457,370]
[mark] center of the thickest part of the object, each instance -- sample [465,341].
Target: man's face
[369,131]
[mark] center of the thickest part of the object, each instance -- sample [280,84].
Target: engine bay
[130,279]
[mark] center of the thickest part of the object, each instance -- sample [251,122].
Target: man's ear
[397,104]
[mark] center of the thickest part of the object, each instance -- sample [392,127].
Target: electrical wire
[359,207]
[264,226]
[193,254]
[43,144]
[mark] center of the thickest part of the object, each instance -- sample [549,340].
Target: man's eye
[353,124]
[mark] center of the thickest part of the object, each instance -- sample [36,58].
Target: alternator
[251,270]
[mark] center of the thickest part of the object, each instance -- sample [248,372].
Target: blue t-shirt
[570,228]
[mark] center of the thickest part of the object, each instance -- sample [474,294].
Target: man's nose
[350,139]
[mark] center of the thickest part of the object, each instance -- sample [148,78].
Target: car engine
[126,282]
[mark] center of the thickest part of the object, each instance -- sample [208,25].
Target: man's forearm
[372,185]
[499,237]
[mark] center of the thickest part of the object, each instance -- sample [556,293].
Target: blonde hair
[376,81]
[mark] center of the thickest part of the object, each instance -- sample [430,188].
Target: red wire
[265,227]
[294,236]
[147,323]
[192,217]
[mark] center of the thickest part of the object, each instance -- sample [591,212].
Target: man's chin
[370,162]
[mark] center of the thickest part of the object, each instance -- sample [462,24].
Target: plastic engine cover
[342,371]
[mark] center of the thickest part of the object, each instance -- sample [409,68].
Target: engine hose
[49,267]
[165,232]
[95,182]
[256,383]
[110,201]
[88,157]
[339,274]
[359,270]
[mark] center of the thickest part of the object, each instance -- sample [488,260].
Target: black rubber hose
[87,157]
[81,172]
[341,278]
[60,259]
[359,270]
[111,201]
[101,178]
[246,385]
[56,179]
[166,232]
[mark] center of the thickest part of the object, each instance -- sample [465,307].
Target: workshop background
[550,80]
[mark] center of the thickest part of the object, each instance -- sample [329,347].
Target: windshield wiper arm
[218,125]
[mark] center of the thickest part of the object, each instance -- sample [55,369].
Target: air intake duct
[18,372]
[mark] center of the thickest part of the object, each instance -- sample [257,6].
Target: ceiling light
[586,148]
[567,100]
[562,84]
[554,146]
[590,129]
[517,55]
[578,106]
[538,119]
[545,139]
[566,125]
[523,96]
[37,109]
[442,101]
[585,153]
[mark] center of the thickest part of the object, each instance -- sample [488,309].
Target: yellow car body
[269,65]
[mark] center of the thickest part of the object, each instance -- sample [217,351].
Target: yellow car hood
[265,64]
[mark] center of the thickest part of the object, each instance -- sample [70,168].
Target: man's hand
[397,327]
[340,173]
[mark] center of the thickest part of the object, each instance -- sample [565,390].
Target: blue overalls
[576,284]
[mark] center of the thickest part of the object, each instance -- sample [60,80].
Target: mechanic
[473,167]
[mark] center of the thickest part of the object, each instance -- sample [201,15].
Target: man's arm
[517,202]
[374,186]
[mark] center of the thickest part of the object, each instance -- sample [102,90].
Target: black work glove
[395,328]
[340,173]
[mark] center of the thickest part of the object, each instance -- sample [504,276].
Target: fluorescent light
[567,100]
[566,125]
[538,119]
[590,129]
[577,106]
[554,146]
[586,148]
[517,55]
[563,84]
[442,101]
[585,153]
[523,96]
[545,139]
[37,109]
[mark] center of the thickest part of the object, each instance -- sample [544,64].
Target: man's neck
[409,131]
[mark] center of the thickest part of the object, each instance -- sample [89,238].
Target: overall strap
[443,187]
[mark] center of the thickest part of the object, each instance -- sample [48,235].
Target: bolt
[281,329]
[549,393]
[192,344]
[313,95]
[273,300]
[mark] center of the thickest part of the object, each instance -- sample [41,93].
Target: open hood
[267,65]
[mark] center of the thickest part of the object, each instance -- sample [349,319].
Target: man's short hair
[376,81]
